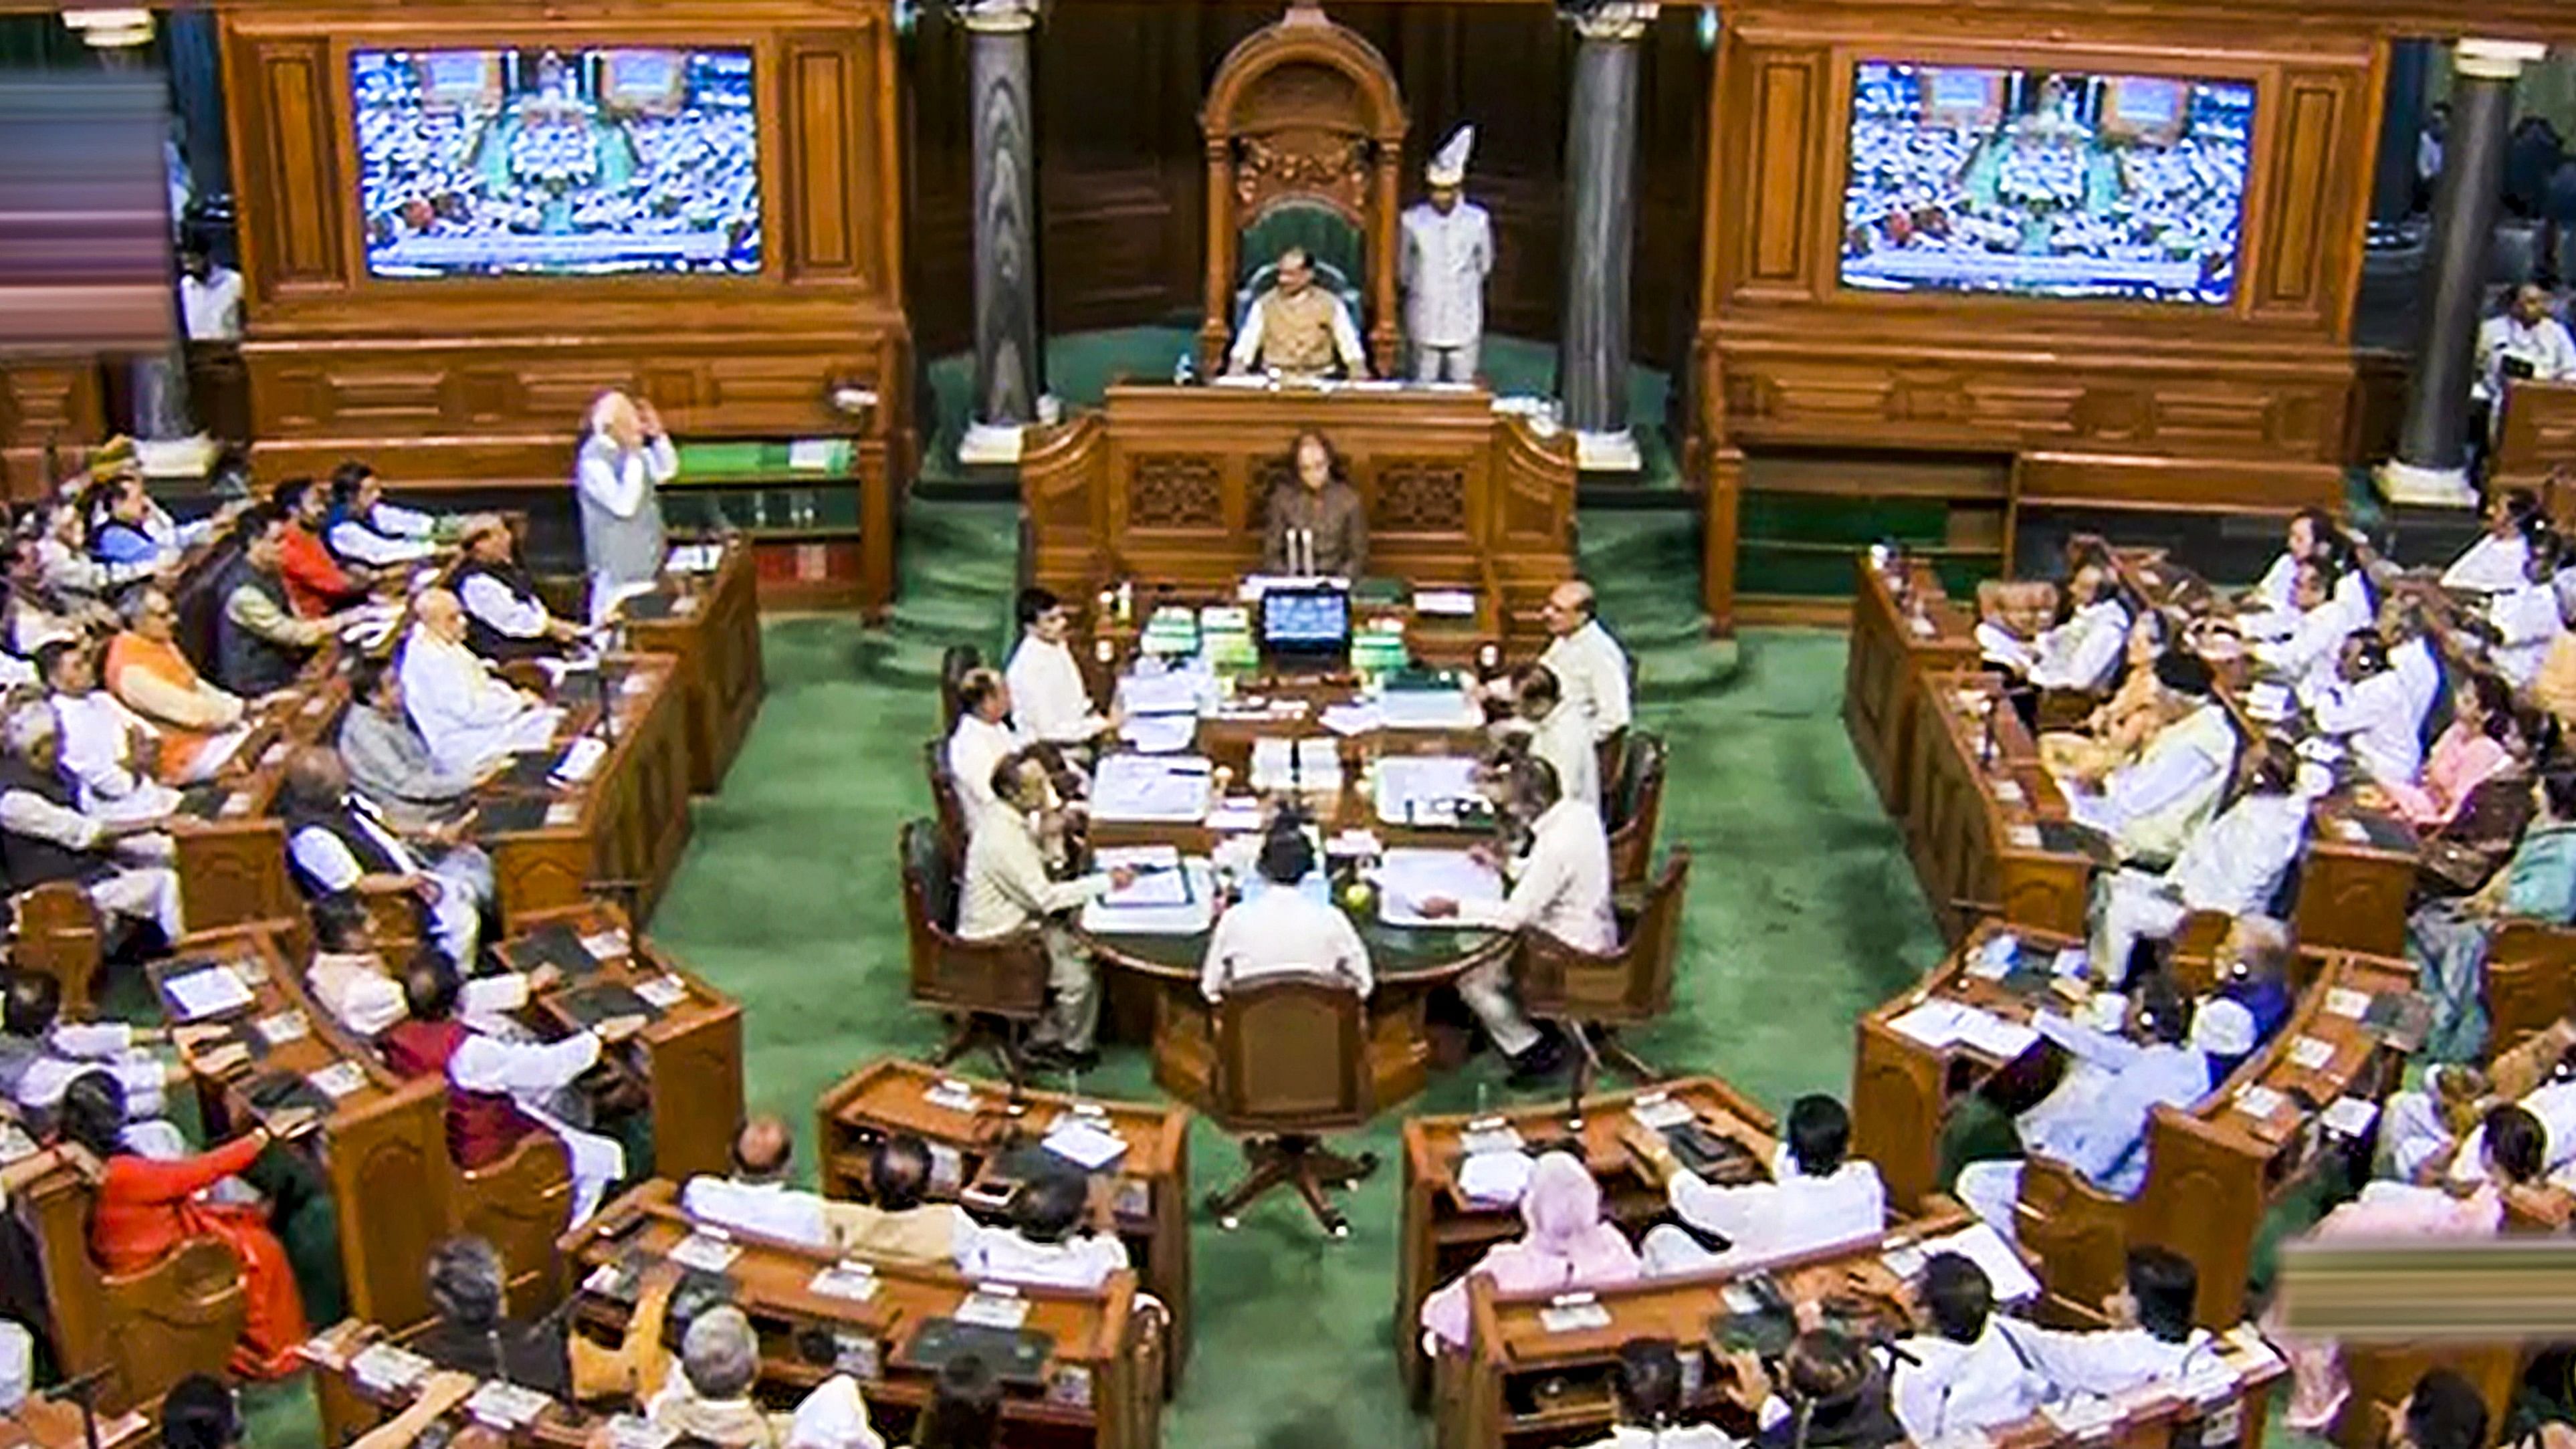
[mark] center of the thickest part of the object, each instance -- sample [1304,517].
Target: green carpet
[1081,365]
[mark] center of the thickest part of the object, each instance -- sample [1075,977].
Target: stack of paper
[1170,692]
[1424,789]
[1193,913]
[1085,1144]
[1352,718]
[1429,709]
[1408,876]
[1309,766]
[1160,734]
[1986,1248]
[214,991]
[1235,813]
[580,760]
[1941,1023]
[1444,603]
[1160,881]
[1156,788]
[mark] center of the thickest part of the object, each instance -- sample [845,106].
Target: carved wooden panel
[1302,163]
[1783,185]
[1419,495]
[1175,490]
[296,231]
[825,100]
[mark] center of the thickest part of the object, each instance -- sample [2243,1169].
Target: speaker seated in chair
[1291,1063]
[1297,307]
[990,991]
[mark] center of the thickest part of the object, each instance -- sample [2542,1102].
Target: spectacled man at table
[1316,524]
[1007,890]
[1561,887]
[1280,928]
[1049,701]
[1298,328]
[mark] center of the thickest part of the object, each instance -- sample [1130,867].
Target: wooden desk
[1172,484]
[688,1057]
[349,1405]
[2536,438]
[890,1095]
[1984,823]
[625,827]
[1523,1384]
[1902,627]
[2212,1171]
[1445,1231]
[710,625]
[1103,1379]
[1153,990]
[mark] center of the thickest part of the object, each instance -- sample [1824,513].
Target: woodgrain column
[1010,362]
[2432,452]
[1601,227]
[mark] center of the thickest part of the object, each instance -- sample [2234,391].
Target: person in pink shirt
[2515,1155]
[2469,752]
[1567,1246]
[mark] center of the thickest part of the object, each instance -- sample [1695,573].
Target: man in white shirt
[107,748]
[2151,1339]
[1561,887]
[340,845]
[123,865]
[41,1054]
[2494,563]
[1818,1196]
[2525,335]
[2096,1119]
[2303,651]
[1045,1245]
[468,715]
[1007,890]
[2151,805]
[210,297]
[624,460]
[1588,664]
[1649,1389]
[2080,653]
[982,739]
[1557,732]
[2232,865]
[1966,1373]
[2370,706]
[364,527]
[1281,929]
[756,1198]
[2526,619]
[1049,702]
[504,617]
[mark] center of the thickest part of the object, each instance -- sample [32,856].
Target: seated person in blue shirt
[2096,1120]
[2447,939]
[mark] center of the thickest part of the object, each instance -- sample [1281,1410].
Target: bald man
[1590,667]
[468,715]
[756,1198]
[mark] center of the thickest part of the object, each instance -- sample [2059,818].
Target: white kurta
[2376,716]
[1446,259]
[2309,654]
[1082,1261]
[2232,866]
[1564,740]
[771,1209]
[1049,701]
[147,891]
[974,748]
[1279,931]
[491,601]
[98,734]
[466,714]
[529,1075]
[2527,623]
[2543,345]
[1764,1222]
[464,876]
[1961,1386]
[400,535]
[1592,676]
[2489,566]
[2080,653]
[1562,887]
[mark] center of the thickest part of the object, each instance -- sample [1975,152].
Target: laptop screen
[1306,621]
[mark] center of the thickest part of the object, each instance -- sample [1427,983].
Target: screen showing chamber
[2045,183]
[1305,619]
[557,162]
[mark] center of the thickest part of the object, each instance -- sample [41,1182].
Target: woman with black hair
[146,1209]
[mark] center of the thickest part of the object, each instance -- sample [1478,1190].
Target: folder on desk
[648,608]
[554,944]
[203,802]
[606,1001]
[515,816]
[1015,1355]
[272,1092]
[527,772]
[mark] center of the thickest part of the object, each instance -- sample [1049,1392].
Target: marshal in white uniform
[1447,252]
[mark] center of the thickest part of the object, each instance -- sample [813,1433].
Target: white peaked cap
[17,1365]
[1449,164]
[832,1417]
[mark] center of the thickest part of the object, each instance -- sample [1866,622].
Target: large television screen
[2045,183]
[557,162]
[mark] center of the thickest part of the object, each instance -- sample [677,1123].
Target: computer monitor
[1306,626]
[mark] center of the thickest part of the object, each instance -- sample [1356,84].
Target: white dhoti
[1487,990]
[1447,364]
[596,1162]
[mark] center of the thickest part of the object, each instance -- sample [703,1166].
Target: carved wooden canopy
[1306,111]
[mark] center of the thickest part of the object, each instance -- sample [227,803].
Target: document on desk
[1086,1145]
[1160,734]
[1171,692]
[1409,875]
[1429,709]
[1160,881]
[1351,719]
[1423,789]
[580,760]
[1941,1023]
[214,991]
[1188,917]
[1151,788]
[1981,1244]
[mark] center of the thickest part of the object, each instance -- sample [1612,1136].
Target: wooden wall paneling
[1784,115]
[2317,197]
[1672,171]
[939,183]
[290,158]
[1122,179]
[826,113]
[45,404]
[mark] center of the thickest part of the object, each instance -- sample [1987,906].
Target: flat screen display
[557,162]
[2045,183]
[1305,620]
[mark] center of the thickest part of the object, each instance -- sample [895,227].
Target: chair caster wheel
[1340,1228]
[1228,1222]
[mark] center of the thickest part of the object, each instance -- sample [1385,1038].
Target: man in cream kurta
[1298,328]
[1588,664]
[1007,889]
[468,715]
[1448,250]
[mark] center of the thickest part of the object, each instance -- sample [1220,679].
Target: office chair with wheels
[1291,1063]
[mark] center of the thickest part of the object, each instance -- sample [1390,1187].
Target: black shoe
[1536,1065]
[1056,1057]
